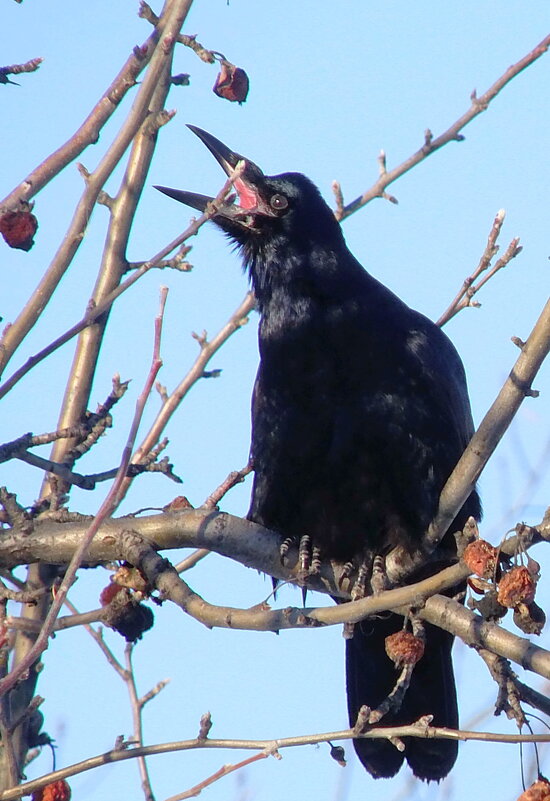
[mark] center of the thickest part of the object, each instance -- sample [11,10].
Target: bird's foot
[379,577]
[359,590]
[309,556]
[285,547]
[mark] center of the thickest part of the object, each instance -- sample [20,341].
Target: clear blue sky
[331,84]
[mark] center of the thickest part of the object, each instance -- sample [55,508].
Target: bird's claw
[285,547]
[357,591]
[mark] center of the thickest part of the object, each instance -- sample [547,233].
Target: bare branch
[106,509]
[17,69]
[137,736]
[418,729]
[159,54]
[464,298]
[234,478]
[208,349]
[93,313]
[219,774]
[452,134]
[493,426]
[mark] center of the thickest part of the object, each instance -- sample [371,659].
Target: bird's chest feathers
[304,350]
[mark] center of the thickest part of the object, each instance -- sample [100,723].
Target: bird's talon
[304,555]
[284,548]
[315,568]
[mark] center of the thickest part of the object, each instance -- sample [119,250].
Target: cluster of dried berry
[514,589]
[56,791]
[125,613]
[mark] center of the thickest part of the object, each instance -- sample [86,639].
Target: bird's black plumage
[359,414]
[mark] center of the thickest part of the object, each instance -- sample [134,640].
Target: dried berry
[130,618]
[481,558]
[18,229]
[403,648]
[338,754]
[231,83]
[530,618]
[56,791]
[108,593]
[516,587]
[489,607]
[539,791]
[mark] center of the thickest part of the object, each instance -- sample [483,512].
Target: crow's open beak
[247,186]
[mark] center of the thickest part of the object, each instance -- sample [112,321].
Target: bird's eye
[278,202]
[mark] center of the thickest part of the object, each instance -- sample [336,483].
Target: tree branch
[418,729]
[452,134]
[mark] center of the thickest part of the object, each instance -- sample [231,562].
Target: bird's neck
[290,280]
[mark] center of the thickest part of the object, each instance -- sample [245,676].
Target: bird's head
[263,207]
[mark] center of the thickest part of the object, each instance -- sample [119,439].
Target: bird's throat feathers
[287,273]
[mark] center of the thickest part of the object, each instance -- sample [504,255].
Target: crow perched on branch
[359,414]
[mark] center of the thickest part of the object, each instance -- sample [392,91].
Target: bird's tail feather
[370,678]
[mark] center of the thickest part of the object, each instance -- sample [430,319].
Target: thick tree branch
[493,426]
[241,540]
[212,529]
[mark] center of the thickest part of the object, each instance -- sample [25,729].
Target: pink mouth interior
[247,197]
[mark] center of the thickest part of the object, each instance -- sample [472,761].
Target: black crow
[360,412]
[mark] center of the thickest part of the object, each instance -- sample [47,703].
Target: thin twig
[78,618]
[208,349]
[268,746]
[219,774]
[469,288]
[191,560]
[234,478]
[106,509]
[137,736]
[92,314]
[452,134]
[17,69]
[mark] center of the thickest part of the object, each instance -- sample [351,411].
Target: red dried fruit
[516,587]
[538,791]
[403,648]
[231,82]
[56,791]
[480,557]
[18,229]
[108,593]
